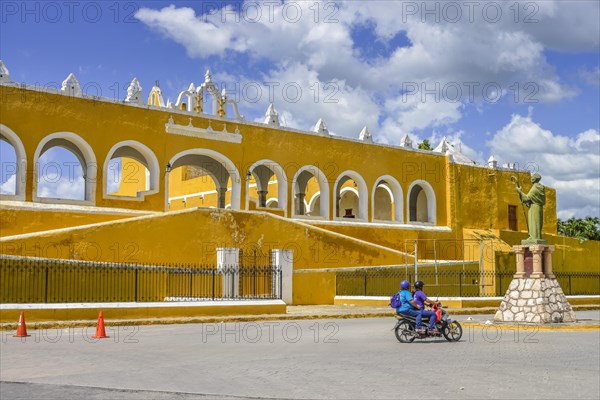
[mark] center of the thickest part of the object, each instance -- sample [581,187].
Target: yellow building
[195,172]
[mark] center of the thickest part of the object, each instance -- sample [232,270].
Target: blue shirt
[420,298]
[405,298]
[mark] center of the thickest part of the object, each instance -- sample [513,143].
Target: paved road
[318,359]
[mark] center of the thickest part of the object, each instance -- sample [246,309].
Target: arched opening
[314,205]
[8,180]
[266,179]
[64,170]
[308,181]
[13,165]
[382,204]
[421,203]
[349,201]
[202,178]
[387,201]
[351,196]
[272,203]
[130,170]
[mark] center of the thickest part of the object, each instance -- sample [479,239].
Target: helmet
[419,285]
[404,285]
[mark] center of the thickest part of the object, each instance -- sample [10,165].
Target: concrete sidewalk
[467,317]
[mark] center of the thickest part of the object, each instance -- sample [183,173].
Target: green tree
[424,145]
[580,228]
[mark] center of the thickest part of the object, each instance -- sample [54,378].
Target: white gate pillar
[283,263]
[228,265]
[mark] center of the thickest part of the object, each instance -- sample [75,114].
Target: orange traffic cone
[100,331]
[21,328]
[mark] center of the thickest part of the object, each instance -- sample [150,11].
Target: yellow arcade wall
[103,124]
[192,236]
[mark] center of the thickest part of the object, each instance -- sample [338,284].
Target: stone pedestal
[534,295]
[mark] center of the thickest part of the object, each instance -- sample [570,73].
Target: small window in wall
[512,218]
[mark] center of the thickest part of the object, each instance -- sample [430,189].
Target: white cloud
[60,175]
[9,186]
[322,49]
[571,166]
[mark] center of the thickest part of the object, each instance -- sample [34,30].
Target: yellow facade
[337,202]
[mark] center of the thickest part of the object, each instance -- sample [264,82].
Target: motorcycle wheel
[405,332]
[453,332]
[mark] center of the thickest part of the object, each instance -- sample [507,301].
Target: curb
[524,326]
[266,317]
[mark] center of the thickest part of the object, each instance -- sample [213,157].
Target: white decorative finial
[272,116]
[192,87]
[4,74]
[492,163]
[320,128]
[70,86]
[406,141]
[365,135]
[170,103]
[207,76]
[134,92]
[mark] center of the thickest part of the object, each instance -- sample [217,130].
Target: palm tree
[580,228]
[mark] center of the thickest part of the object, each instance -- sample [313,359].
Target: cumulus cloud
[570,165]
[9,186]
[60,175]
[314,42]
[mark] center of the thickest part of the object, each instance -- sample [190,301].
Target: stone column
[262,198]
[300,210]
[520,258]
[548,262]
[538,271]
[221,193]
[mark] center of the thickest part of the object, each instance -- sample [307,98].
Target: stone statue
[535,199]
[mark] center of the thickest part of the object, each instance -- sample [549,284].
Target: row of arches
[267,185]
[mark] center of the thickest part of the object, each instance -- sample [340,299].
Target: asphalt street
[307,359]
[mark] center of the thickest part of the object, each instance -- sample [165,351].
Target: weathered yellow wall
[402,239]
[16,221]
[570,255]
[192,236]
[479,189]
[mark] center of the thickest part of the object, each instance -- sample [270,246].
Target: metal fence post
[416,263]
[135,288]
[365,282]
[46,286]
[460,279]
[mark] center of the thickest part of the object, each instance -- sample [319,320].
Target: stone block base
[535,300]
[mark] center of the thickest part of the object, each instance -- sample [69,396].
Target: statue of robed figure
[535,200]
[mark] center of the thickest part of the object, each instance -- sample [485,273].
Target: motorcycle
[406,333]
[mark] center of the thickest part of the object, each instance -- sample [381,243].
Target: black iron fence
[34,280]
[452,283]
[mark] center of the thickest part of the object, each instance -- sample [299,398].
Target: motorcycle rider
[420,299]
[408,306]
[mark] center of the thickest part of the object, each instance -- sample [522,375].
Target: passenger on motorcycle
[409,307]
[420,299]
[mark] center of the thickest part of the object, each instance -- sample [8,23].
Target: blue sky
[365,58]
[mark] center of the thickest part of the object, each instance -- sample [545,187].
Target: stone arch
[263,171]
[299,184]
[395,189]
[9,136]
[314,203]
[140,153]
[421,202]
[273,202]
[215,164]
[84,153]
[363,196]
